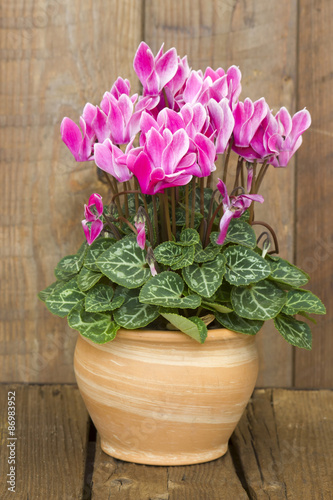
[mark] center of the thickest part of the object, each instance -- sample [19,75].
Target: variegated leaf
[261,301]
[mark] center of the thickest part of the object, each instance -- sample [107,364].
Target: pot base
[163,459]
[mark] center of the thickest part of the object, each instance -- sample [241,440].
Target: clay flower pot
[160,398]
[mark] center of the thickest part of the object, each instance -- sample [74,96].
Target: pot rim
[174,337]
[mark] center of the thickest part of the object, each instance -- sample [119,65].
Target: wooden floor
[282,448]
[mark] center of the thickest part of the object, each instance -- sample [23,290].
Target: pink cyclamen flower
[222,122]
[233,208]
[80,142]
[140,226]
[92,212]
[248,116]
[163,161]
[154,72]
[112,160]
[288,139]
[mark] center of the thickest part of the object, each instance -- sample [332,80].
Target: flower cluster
[176,129]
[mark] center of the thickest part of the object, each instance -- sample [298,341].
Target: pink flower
[288,139]
[163,161]
[154,72]
[233,208]
[248,117]
[112,160]
[80,142]
[222,122]
[140,225]
[92,212]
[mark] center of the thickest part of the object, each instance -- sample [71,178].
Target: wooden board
[125,481]
[51,445]
[315,184]
[55,56]
[222,33]
[284,444]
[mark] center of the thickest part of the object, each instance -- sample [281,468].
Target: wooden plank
[119,480]
[51,431]
[284,444]
[55,56]
[315,184]
[222,33]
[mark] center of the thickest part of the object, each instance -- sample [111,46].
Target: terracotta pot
[161,398]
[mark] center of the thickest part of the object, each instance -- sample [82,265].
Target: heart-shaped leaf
[87,279]
[95,250]
[295,332]
[206,254]
[240,231]
[133,314]
[44,294]
[71,264]
[194,327]
[97,327]
[244,266]
[166,290]
[286,273]
[261,301]
[303,300]
[124,263]
[99,299]
[168,253]
[206,278]
[186,258]
[237,324]
[188,237]
[63,299]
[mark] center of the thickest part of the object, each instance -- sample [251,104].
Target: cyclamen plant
[170,250]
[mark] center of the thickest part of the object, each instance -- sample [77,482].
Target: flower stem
[173,210]
[226,163]
[252,191]
[167,215]
[202,207]
[163,227]
[209,181]
[211,223]
[187,213]
[126,199]
[136,187]
[156,219]
[238,171]
[270,229]
[193,202]
[261,175]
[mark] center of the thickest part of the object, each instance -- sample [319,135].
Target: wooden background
[58,54]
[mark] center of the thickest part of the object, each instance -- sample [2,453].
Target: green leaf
[284,272]
[244,266]
[62,275]
[99,299]
[63,299]
[240,231]
[166,290]
[70,265]
[125,263]
[44,294]
[206,254]
[224,292]
[133,314]
[261,301]
[87,279]
[95,250]
[206,278]
[303,300]
[214,306]
[186,259]
[97,327]
[295,332]
[237,324]
[168,253]
[188,237]
[194,326]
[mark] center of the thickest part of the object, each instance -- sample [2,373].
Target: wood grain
[55,57]
[315,184]
[126,481]
[284,442]
[51,446]
[222,33]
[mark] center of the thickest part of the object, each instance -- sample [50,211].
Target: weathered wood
[56,56]
[222,33]
[51,445]
[284,444]
[315,184]
[215,480]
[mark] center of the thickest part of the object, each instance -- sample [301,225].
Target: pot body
[161,398]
